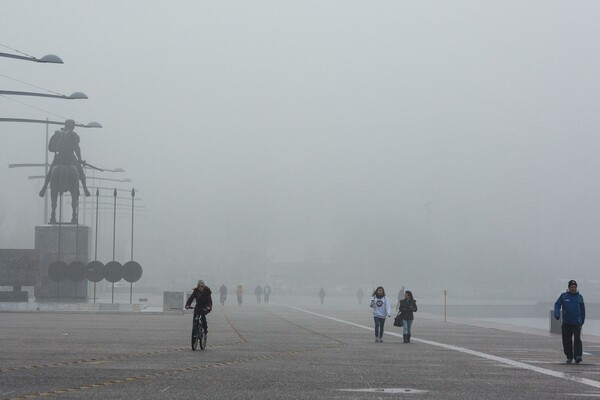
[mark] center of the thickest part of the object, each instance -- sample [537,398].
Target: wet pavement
[283,350]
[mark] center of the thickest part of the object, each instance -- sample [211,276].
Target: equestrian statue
[66,169]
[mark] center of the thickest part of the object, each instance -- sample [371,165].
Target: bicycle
[199,336]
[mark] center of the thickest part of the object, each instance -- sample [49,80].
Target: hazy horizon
[322,143]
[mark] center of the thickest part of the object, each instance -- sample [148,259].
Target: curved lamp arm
[72,96]
[49,58]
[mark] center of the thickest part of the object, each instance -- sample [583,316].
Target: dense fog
[306,144]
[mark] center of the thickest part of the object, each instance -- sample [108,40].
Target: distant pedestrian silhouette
[359,296]
[267,292]
[258,292]
[400,295]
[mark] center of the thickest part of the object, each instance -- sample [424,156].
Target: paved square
[280,351]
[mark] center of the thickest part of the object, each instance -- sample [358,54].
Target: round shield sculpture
[95,271]
[132,271]
[76,271]
[113,271]
[57,271]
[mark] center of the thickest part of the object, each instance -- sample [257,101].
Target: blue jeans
[406,325]
[379,322]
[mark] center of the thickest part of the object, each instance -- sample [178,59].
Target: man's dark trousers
[568,332]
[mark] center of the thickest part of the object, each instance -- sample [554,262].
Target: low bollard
[555,324]
[172,301]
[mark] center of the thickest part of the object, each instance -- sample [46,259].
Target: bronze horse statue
[65,178]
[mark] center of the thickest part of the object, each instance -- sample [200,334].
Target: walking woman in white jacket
[381,309]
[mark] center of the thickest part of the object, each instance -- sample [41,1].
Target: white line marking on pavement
[491,357]
[384,390]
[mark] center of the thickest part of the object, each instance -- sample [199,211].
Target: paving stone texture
[282,350]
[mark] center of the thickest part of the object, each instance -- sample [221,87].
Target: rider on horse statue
[65,145]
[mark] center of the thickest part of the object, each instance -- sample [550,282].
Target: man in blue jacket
[573,317]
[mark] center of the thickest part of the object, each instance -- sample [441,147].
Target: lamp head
[50,58]
[77,96]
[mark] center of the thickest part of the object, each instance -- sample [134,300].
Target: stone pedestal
[74,246]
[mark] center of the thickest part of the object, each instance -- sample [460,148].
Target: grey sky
[399,141]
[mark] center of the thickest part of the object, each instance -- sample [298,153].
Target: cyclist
[223,294]
[238,292]
[202,295]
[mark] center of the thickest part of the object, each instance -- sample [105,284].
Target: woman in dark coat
[407,307]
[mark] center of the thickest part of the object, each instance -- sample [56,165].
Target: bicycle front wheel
[202,340]
[195,337]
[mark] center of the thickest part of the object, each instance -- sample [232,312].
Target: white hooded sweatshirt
[381,307]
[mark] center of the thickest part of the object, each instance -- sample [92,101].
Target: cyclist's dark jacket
[203,299]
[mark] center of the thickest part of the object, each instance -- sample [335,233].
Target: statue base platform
[74,246]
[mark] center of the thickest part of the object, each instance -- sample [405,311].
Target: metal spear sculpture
[95,269]
[114,269]
[132,270]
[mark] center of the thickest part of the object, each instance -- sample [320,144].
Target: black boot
[408,338]
[404,338]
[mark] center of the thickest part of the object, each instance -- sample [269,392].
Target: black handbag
[398,321]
